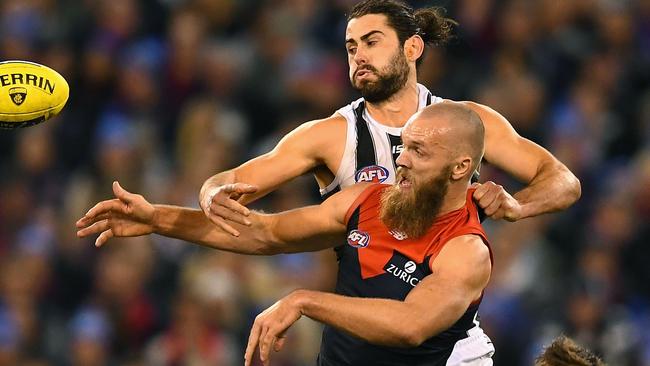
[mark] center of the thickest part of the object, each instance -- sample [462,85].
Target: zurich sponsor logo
[358,239]
[372,173]
[409,267]
[405,273]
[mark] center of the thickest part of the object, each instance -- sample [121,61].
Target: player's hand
[127,215]
[220,205]
[270,327]
[496,202]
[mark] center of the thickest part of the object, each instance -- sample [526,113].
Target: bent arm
[551,185]
[297,153]
[305,229]
[460,273]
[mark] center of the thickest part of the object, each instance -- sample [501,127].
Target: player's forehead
[425,130]
[360,26]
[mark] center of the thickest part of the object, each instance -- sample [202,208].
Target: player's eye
[352,50]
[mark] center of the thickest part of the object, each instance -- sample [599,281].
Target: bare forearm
[192,226]
[554,188]
[373,320]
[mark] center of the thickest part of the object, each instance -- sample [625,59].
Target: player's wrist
[522,211]
[300,300]
[155,223]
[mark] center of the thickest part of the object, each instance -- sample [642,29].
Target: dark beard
[413,212]
[390,81]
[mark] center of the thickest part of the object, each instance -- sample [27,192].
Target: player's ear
[461,167]
[413,48]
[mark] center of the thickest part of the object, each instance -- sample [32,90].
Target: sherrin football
[30,93]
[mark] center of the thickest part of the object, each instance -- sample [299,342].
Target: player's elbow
[572,187]
[413,338]
[575,188]
[413,332]
[429,325]
[268,249]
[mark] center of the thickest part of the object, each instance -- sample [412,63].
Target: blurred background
[165,93]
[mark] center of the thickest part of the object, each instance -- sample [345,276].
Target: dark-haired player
[413,269]
[384,40]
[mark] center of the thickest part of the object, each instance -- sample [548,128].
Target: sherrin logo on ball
[30,93]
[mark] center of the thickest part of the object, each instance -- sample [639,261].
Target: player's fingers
[487,199]
[95,228]
[262,344]
[103,238]
[266,345]
[241,188]
[496,208]
[221,223]
[235,206]
[86,221]
[229,215]
[105,207]
[279,342]
[253,339]
[481,190]
[122,193]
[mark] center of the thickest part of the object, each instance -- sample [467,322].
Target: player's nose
[360,57]
[403,160]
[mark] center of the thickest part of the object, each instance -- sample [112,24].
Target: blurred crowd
[165,93]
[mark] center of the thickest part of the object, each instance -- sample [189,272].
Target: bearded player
[412,269]
[384,40]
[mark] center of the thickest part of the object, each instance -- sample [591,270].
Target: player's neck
[395,111]
[454,199]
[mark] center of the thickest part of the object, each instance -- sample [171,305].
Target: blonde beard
[413,212]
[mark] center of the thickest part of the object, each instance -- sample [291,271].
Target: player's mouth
[361,74]
[404,183]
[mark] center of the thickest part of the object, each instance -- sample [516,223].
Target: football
[30,93]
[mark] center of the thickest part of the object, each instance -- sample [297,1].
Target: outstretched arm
[551,186]
[459,275]
[304,229]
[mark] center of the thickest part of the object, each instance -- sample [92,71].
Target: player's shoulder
[488,115]
[469,246]
[333,124]
[317,134]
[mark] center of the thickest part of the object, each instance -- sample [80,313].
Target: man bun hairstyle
[434,28]
[429,23]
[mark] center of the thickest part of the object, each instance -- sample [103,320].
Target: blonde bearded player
[411,274]
[384,40]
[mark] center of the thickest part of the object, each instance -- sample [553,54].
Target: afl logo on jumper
[372,173]
[358,239]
